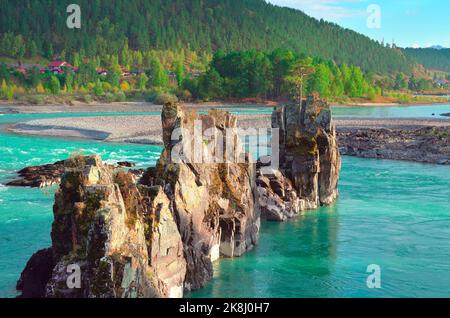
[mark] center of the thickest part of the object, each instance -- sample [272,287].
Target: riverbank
[418,140]
[140,129]
[141,106]
[13,108]
[409,142]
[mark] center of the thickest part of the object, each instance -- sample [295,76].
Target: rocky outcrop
[213,202]
[122,244]
[39,176]
[203,200]
[309,161]
[50,174]
[419,144]
[156,238]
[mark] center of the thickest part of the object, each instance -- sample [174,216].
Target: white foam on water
[110,162]
[146,163]
[7,149]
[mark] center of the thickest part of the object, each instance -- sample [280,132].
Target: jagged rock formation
[124,246]
[37,273]
[156,238]
[160,237]
[212,202]
[309,161]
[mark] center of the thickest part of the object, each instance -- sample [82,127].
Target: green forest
[39,27]
[435,59]
[197,50]
[272,75]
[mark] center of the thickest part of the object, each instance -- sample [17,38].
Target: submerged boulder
[309,161]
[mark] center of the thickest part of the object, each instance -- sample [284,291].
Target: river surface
[392,214]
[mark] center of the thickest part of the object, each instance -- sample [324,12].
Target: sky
[407,23]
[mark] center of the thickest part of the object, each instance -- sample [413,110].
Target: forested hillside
[38,27]
[435,59]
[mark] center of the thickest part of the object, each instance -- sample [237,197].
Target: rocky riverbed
[426,141]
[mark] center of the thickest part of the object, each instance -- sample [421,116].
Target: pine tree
[114,75]
[142,81]
[159,74]
[297,74]
[179,72]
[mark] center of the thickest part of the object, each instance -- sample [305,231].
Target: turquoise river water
[393,214]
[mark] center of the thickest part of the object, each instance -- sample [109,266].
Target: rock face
[107,231]
[213,203]
[309,161]
[36,274]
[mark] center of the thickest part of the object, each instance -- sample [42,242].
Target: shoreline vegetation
[22,97]
[159,76]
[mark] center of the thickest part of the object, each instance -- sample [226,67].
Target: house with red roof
[57,64]
[56,67]
[21,70]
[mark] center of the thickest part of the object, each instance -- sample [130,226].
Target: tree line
[186,75]
[278,74]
